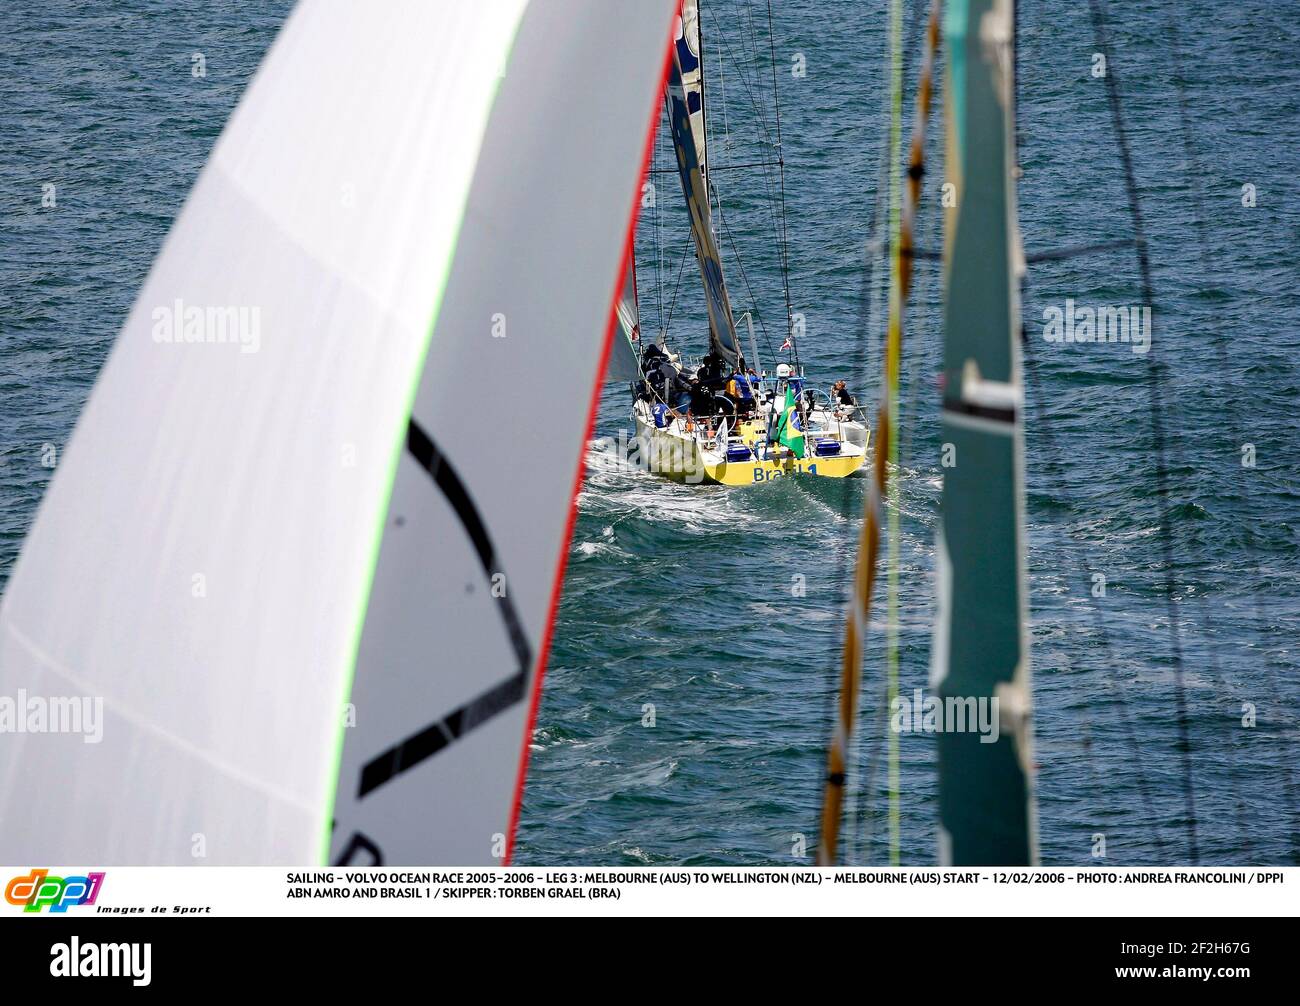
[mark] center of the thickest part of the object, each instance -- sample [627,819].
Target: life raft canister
[739,387]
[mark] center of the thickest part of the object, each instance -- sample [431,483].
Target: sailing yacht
[722,421]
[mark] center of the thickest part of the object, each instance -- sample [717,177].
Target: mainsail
[986,812]
[624,353]
[290,553]
[686,45]
[689,151]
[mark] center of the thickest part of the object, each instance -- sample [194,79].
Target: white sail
[625,347]
[244,533]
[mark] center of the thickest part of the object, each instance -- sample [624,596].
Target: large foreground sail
[980,652]
[298,544]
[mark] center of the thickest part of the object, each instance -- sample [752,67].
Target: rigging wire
[681,266]
[719,167]
[726,123]
[1064,540]
[704,102]
[750,86]
[1068,546]
[856,621]
[921,286]
[866,325]
[918,36]
[1192,166]
[659,236]
[766,163]
[1054,459]
[780,153]
[1156,411]
[861,809]
[904,232]
[740,262]
[864,833]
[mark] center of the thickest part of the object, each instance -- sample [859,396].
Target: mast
[980,653]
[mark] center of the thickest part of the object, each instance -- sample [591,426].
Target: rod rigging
[869,542]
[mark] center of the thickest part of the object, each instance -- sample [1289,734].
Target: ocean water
[678,607]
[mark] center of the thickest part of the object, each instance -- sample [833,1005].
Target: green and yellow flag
[788,430]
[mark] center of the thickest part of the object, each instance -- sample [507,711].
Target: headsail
[986,811]
[722,329]
[315,520]
[625,347]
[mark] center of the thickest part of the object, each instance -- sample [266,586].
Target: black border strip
[1000,414]
[433,738]
[442,732]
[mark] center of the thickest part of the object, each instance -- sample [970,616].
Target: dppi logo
[39,890]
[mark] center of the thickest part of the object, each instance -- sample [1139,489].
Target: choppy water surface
[678,601]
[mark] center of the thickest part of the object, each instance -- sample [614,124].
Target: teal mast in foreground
[980,658]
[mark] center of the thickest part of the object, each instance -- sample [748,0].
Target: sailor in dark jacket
[711,373]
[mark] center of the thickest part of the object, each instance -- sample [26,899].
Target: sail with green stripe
[309,574]
[980,656]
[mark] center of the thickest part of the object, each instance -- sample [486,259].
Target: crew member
[844,402]
[677,389]
[740,390]
[711,373]
[701,399]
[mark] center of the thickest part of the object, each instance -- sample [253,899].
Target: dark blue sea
[678,607]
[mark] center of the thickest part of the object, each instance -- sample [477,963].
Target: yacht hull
[686,459]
